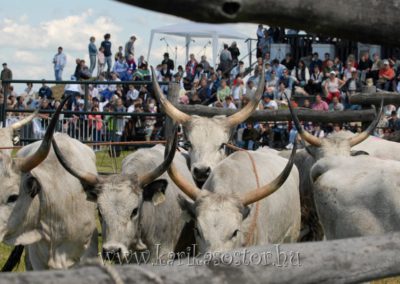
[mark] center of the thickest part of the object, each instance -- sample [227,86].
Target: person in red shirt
[386,76]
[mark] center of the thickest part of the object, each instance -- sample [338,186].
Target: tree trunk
[367,21]
[341,261]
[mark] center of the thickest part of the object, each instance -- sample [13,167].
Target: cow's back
[357,196]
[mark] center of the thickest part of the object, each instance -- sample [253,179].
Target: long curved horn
[174,113]
[365,134]
[245,112]
[169,155]
[24,121]
[26,164]
[315,141]
[189,189]
[84,177]
[266,190]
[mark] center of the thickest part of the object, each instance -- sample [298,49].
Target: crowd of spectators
[309,82]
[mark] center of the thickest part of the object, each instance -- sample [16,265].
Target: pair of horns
[93,179]
[233,120]
[26,164]
[253,196]
[317,142]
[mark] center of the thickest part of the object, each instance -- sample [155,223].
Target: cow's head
[7,137]
[219,218]
[19,209]
[206,136]
[338,144]
[120,199]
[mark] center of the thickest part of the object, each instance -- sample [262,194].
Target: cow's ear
[31,185]
[155,191]
[188,209]
[26,238]
[358,153]
[245,212]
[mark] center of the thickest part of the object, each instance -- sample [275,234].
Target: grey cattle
[354,196]
[206,136]
[226,212]
[42,206]
[139,207]
[7,133]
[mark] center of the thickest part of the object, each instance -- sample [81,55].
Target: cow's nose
[111,253]
[201,172]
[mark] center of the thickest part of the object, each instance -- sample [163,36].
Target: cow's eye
[134,212]
[234,235]
[12,198]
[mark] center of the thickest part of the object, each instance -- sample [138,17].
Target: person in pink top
[320,104]
[95,126]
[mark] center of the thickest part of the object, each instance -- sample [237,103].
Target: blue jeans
[92,63]
[58,74]
[292,135]
[109,63]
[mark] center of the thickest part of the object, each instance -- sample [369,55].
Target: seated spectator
[228,103]
[238,90]
[223,91]
[269,103]
[329,67]
[250,137]
[141,74]
[306,104]
[289,62]
[45,92]
[250,88]
[191,67]
[365,65]
[150,121]
[282,93]
[314,85]
[317,131]
[289,80]
[271,85]
[320,104]
[352,86]
[165,71]
[199,74]
[237,70]
[267,135]
[278,68]
[301,73]
[119,53]
[132,93]
[332,86]
[203,91]
[394,122]
[316,62]
[335,105]
[121,68]
[386,76]
[338,66]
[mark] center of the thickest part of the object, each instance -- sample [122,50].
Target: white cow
[43,207]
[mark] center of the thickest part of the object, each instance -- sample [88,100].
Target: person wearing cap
[59,61]
[168,61]
[332,86]
[386,76]
[130,47]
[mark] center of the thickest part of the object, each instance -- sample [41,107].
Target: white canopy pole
[150,43]
[187,37]
[214,49]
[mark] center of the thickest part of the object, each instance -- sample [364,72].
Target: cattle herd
[166,200]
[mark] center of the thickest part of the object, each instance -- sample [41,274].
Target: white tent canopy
[195,30]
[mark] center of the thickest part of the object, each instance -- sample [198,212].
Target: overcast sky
[31,31]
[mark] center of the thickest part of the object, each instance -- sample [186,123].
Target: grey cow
[139,207]
[234,210]
[206,136]
[354,196]
[43,207]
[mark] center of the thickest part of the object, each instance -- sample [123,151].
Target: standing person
[168,61]
[106,44]
[92,54]
[130,47]
[225,60]
[191,66]
[234,50]
[101,59]
[6,74]
[59,62]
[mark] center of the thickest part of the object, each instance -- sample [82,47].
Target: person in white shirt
[228,103]
[59,61]
[132,94]
[268,103]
